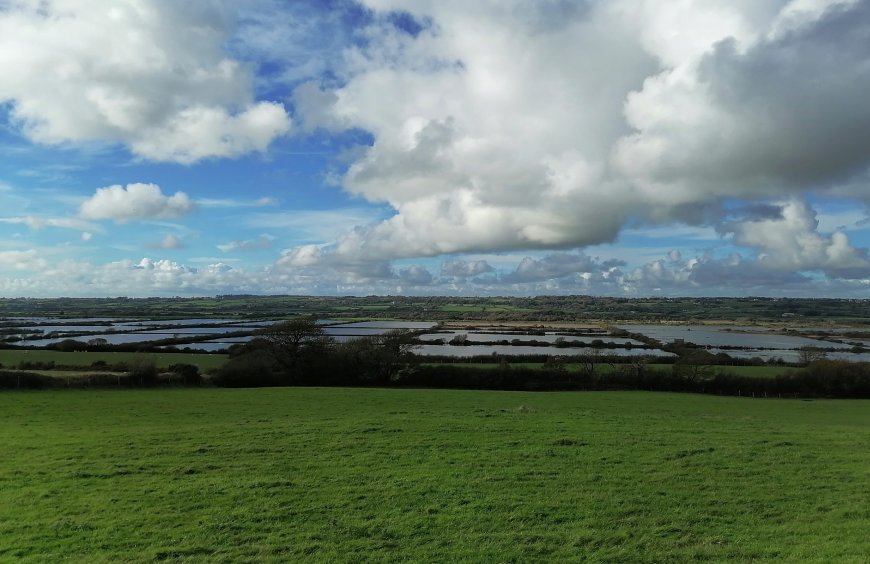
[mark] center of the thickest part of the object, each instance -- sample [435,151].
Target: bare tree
[810,354]
[695,365]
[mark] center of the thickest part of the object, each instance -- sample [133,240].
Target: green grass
[344,475]
[203,361]
[474,308]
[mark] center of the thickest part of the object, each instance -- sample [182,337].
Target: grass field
[481,308]
[203,361]
[346,475]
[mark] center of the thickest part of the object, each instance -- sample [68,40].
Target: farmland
[430,475]
[437,308]
[84,359]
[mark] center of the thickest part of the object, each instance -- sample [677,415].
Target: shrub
[247,371]
[144,371]
[187,373]
[11,379]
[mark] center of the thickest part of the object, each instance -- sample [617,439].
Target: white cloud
[535,126]
[200,132]
[554,266]
[313,225]
[21,260]
[45,273]
[170,242]
[260,243]
[773,105]
[792,242]
[416,276]
[462,269]
[136,201]
[235,203]
[149,74]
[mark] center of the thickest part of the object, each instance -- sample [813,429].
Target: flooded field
[726,336]
[212,334]
[502,350]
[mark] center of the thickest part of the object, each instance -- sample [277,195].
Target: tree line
[298,353]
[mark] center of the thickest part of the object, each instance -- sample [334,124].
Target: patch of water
[390,324]
[481,337]
[705,335]
[487,350]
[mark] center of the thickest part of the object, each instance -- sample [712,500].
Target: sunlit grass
[345,475]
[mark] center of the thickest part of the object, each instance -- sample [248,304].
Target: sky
[435,147]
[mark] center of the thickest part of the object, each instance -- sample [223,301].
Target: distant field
[163,360]
[343,475]
[481,308]
[362,308]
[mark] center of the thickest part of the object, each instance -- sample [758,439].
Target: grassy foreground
[347,475]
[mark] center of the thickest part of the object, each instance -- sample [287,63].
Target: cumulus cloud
[135,201]
[35,273]
[791,242]
[200,132]
[152,75]
[462,269]
[551,266]
[501,126]
[774,105]
[313,262]
[416,276]
[732,275]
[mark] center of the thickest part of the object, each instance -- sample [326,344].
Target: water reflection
[507,350]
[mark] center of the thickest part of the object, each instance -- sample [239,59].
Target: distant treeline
[436,308]
[297,353]
[825,378]
[142,373]
[828,378]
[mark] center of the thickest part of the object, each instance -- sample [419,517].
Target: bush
[251,370]
[11,380]
[187,373]
[143,371]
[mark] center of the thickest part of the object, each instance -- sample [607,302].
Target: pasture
[343,475]
[14,357]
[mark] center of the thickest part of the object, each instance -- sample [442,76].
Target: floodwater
[753,341]
[391,324]
[706,335]
[550,337]
[111,338]
[489,350]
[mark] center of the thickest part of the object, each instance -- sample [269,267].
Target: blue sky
[620,147]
